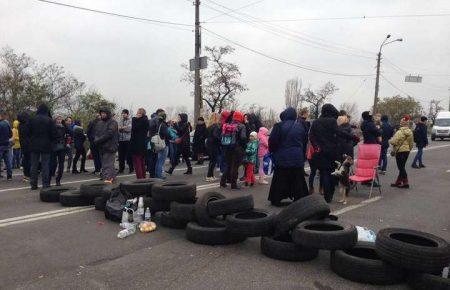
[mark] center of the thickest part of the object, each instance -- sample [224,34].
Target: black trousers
[401,159]
[287,183]
[213,156]
[26,163]
[79,152]
[233,159]
[57,161]
[124,154]
[44,160]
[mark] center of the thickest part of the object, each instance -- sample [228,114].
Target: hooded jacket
[78,137]
[5,133]
[24,137]
[184,129]
[387,133]
[263,139]
[42,131]
[139,132]
[286,141]
[15,133]
[420,135]
[403,140]
[370,130]
[106,134]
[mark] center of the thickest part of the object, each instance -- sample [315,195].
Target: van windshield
[442,122]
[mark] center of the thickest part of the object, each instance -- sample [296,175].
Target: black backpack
[115,204]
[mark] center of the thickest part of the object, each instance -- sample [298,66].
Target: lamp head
[388,36]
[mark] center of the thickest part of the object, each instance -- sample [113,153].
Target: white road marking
[355,206]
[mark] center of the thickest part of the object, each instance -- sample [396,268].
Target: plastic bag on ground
[366,235]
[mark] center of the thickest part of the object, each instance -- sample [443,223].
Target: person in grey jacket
[124,142]
[106,140]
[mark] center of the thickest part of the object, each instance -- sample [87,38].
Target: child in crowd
[263,149]
[250,158]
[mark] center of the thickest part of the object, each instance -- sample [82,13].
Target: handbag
[158,143]
[393,153]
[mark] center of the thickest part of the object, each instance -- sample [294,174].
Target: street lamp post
[377,81]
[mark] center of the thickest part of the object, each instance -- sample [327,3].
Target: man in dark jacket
[24,139]
[183,128]
[106,139]
[421,139]
[5,144]
[152,156]
[371,133]
[94,151]
[387,134]
[161,157]
[58,151]
[78,141]
[42,132]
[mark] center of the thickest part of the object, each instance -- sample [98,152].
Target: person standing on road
[58,151]
[78,140]
[173,136]
[138,142]
[263,150]
[162,153]
[303,121]
[68,122]
[152,155]
[107,142]
[5,144]
[16,146]
[94,151]
[213,145]
[387,134]
[371,134]
[183,128]
[124,142]
[24,138]
[42,132]
[403,142]
[421,140]
[200,135]
[286,145]
[251,153]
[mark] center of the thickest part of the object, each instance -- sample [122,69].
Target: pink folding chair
[366,167]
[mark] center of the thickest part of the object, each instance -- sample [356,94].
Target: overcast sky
[138,64]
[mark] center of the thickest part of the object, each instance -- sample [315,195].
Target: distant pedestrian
[5,144]
[402,143]
[213,144]
[24,138]
[152,155]
[91,137]
[68,122]
[138,142]
[371,134]
[251,153]
[183,128]
[16,146]
[173,136]
[200,135]
[58,151]
[124,142]
[161,153]
[42,132]
[421,140]
[387,134]
[263,150]
[78,140]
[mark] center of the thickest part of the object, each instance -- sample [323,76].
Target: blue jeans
[419,156]
[173,154]
[162,156]
[383,159]
[5,155]
[17,154]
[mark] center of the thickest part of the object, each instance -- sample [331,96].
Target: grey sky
[138,64]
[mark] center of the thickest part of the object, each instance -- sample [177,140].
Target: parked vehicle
[441,127]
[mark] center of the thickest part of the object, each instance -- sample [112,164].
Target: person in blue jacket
[421,140]
[387,134]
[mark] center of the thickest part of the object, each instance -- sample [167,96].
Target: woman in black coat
[213,144]
[183,128]
[59,150]
[78,140]
[200,135]
[138,142]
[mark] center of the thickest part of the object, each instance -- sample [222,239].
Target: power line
[402,91]
[234,10]
[290,63]
[154,21]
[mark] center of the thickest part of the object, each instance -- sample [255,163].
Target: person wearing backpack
[183,127]
[233,142]
[421,140]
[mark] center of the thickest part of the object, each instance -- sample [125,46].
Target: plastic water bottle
[140,209]
[126,232]
[148,215]
[124,216]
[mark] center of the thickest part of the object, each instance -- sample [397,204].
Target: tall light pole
[197,82]
[377,81]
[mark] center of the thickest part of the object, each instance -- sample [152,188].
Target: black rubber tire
[74,198]
[419,281]
[51,194]
[174,191]
[254,223]
[157,206]
[100,203]
[182,211]
[168,221]
[231,205]
[211,236]
[94,189]
[362,264]
[139,187]
[201,210]
[306,208]
[413,250]
[284,249]
[327,235]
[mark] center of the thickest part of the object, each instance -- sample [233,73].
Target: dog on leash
[342,173]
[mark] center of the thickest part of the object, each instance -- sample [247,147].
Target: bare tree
[317,98]
[434,109]
[221,82]
[293,94]
[397,107]
[351,109]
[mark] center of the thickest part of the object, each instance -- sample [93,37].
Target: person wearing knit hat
[251,152]
[421,140]
[402,143]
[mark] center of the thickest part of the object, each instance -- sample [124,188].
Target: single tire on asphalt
[419,281]
[182,211]
[362,264]
[201,210]
[74,198]
[306,208]
[174,191]
[139,187]
[211,236]
[327,235]
[284,249]
[413,250]
[94,189]
[100,203]
[253,223]
[51,194]
[168,221]
[157,205]
[231,205]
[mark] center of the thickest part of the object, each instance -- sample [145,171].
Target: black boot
[189,171]
[170,171]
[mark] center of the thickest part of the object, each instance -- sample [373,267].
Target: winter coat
[420,135]
[286,141]
[106,131]
[387,134]
[370,132]
[139,133]
[24,137]
[5,133]
[15,135]
[90,132]
[200,135]
[42,131]
[184,129]
[213,140]
[403,140]
[60,140]
[306,126]
[263,145]
[345,145]
[251,151]
[173,135]
[125,133]
[78,137]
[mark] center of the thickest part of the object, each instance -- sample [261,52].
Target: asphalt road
[44,246]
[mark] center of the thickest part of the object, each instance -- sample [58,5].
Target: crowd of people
[42,144]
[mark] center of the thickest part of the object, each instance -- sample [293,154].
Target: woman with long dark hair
[138,142]
[213,144]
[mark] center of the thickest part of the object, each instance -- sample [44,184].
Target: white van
[441,128]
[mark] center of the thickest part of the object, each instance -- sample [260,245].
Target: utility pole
[377,84]
[449,99]
[198,104]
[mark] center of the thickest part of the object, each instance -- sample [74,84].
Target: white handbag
[158,143]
